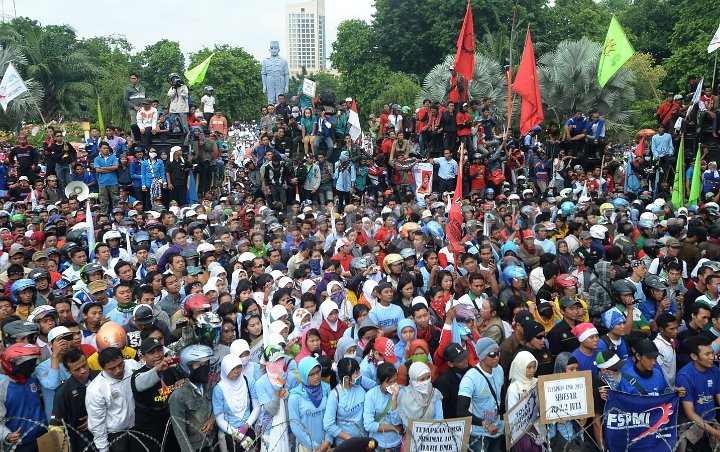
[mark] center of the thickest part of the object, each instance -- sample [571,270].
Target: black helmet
[190,254]
[622,287]
[651,247]
[39,273]
[358,265]
[88,270]
[77,236]
[67,247]
[653,282]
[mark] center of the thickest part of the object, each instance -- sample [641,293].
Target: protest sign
[521,417]
[423,174]
[448,434]
[308,87]
[256,350]
[566,396]
[640,423]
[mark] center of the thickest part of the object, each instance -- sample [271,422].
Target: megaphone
[78,189]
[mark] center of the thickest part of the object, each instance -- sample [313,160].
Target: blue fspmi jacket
[20,408]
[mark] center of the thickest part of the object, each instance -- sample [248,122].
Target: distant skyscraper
[305,40]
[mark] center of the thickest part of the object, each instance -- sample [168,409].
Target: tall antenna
[8,11]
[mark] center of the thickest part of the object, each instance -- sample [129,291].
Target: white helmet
[247,256]
[514,197]
[584,199]
[659,202]
[527,192]
[112,235]
[598,231]
[648,216]
[566,192]
[712,206]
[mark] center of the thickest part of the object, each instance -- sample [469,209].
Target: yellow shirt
[127,352]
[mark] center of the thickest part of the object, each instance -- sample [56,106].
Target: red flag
[526,84]
[455,218]
[640,149]
[465,56]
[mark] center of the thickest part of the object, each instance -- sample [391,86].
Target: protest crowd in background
[294,283]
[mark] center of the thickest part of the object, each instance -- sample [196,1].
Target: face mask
[356,382]
[338,298]
[349,355]
[362,344]
[201,375]
[420,359]
[423,387]
[245,361]
[153,155]
[314,266]
[295,115]
[25,369]
[275,368]
[612,380]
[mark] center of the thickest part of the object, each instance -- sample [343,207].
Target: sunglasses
[493,354]
[540,337]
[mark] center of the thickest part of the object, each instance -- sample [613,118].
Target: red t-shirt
[387,146]
[460,119]
[383,122]
[477,183]
[344,262]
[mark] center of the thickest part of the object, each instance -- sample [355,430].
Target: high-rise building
[305,40]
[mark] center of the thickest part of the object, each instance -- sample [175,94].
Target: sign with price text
[565,396]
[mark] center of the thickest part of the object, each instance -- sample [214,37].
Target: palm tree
[488,81]
[568,82]
[25,106]
[57,63]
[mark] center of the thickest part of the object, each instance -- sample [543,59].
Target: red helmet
[566,281]
[17,354]
[196,302]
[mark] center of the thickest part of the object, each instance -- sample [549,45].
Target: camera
[175,81]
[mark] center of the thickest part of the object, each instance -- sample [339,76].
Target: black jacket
[69,408]
[448,383]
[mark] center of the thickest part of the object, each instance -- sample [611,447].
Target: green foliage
[568,82]
[400,89]
[697,21]
[571,20]
[235,76]
[324,80]
[155,63]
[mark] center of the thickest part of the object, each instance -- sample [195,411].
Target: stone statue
[275,74]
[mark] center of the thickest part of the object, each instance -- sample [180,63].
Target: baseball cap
[20,328]
[192,270]
[585,235]
[647,348]
[608,359]
[39,255]
[386,347]
[454,353]
[672,242]
[143,314]
[97,286]
[59,331]
[23,178]
[566,302]
[522,317]
[149,344]
[16,248]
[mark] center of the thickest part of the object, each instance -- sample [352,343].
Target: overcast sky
[250,24]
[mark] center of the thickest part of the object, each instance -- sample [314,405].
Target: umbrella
[646,133]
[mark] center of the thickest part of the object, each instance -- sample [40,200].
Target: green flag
[197,74]
[101,123]
[696,185]
[678,191]
[616,51]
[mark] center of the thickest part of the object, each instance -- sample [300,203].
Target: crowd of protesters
[280,286]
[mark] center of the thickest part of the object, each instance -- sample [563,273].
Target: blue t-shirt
[344,413]
[649,308]
[386,317]
[701,388]
[621,350]
[106,179]
[653,385]
[482,402]
[586,362]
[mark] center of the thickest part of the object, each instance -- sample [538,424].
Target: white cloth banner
[714,42]
[423,175]
[11,86]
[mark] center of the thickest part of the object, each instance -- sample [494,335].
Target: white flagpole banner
[11,86]
[714,42]
[423,175]
[698,92]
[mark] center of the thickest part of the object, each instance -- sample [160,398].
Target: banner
[521,417]
[640,423]
[566,396]
[616,51]
[714,42]
[308,87]
[197,74]
[11,86]
[354,122]
[423,175]
[448,434]
[256,350]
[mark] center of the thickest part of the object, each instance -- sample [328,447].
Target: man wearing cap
[51,192]
[448,382]
[644,377]
[529,251]
[588,338]
[560,337]
[142,318]
[534,342]
[20,190]
[51,372]
[510,346]
[152,385]
[480,395]
[26,157]
[616,325]
[672,250]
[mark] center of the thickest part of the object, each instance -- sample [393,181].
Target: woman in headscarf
[272,392]
[235,404]
[338,295]
[310,345]
[564,258]
[417,351]
[368,298]
[301,318]
[347,348]
[381,412]
[344,412]
[241,349]
[306,407]
[407,332]
[331,328]
[522,381]
[560,434]
[419,400]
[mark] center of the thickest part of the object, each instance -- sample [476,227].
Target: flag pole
[510,65]
[714,71]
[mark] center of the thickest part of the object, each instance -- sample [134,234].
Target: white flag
[354,121]
[714,42]
[11,86]
[698,92]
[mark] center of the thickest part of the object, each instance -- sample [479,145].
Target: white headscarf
[327,307]
[412,403]
[518,370]
[277,326]
[367,289]
[284,281]
[234,391]
[306,285]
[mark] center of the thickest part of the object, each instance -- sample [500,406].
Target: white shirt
[666,359]
[653,268]
[208,103]
[110,405]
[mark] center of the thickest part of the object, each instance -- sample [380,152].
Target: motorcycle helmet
[598,232]
[20,285]
[17,354]
[196,302]
[90,269]
[207,329]
[193,354]
[111,334]
[567,208]
[390,260]
[358,265]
